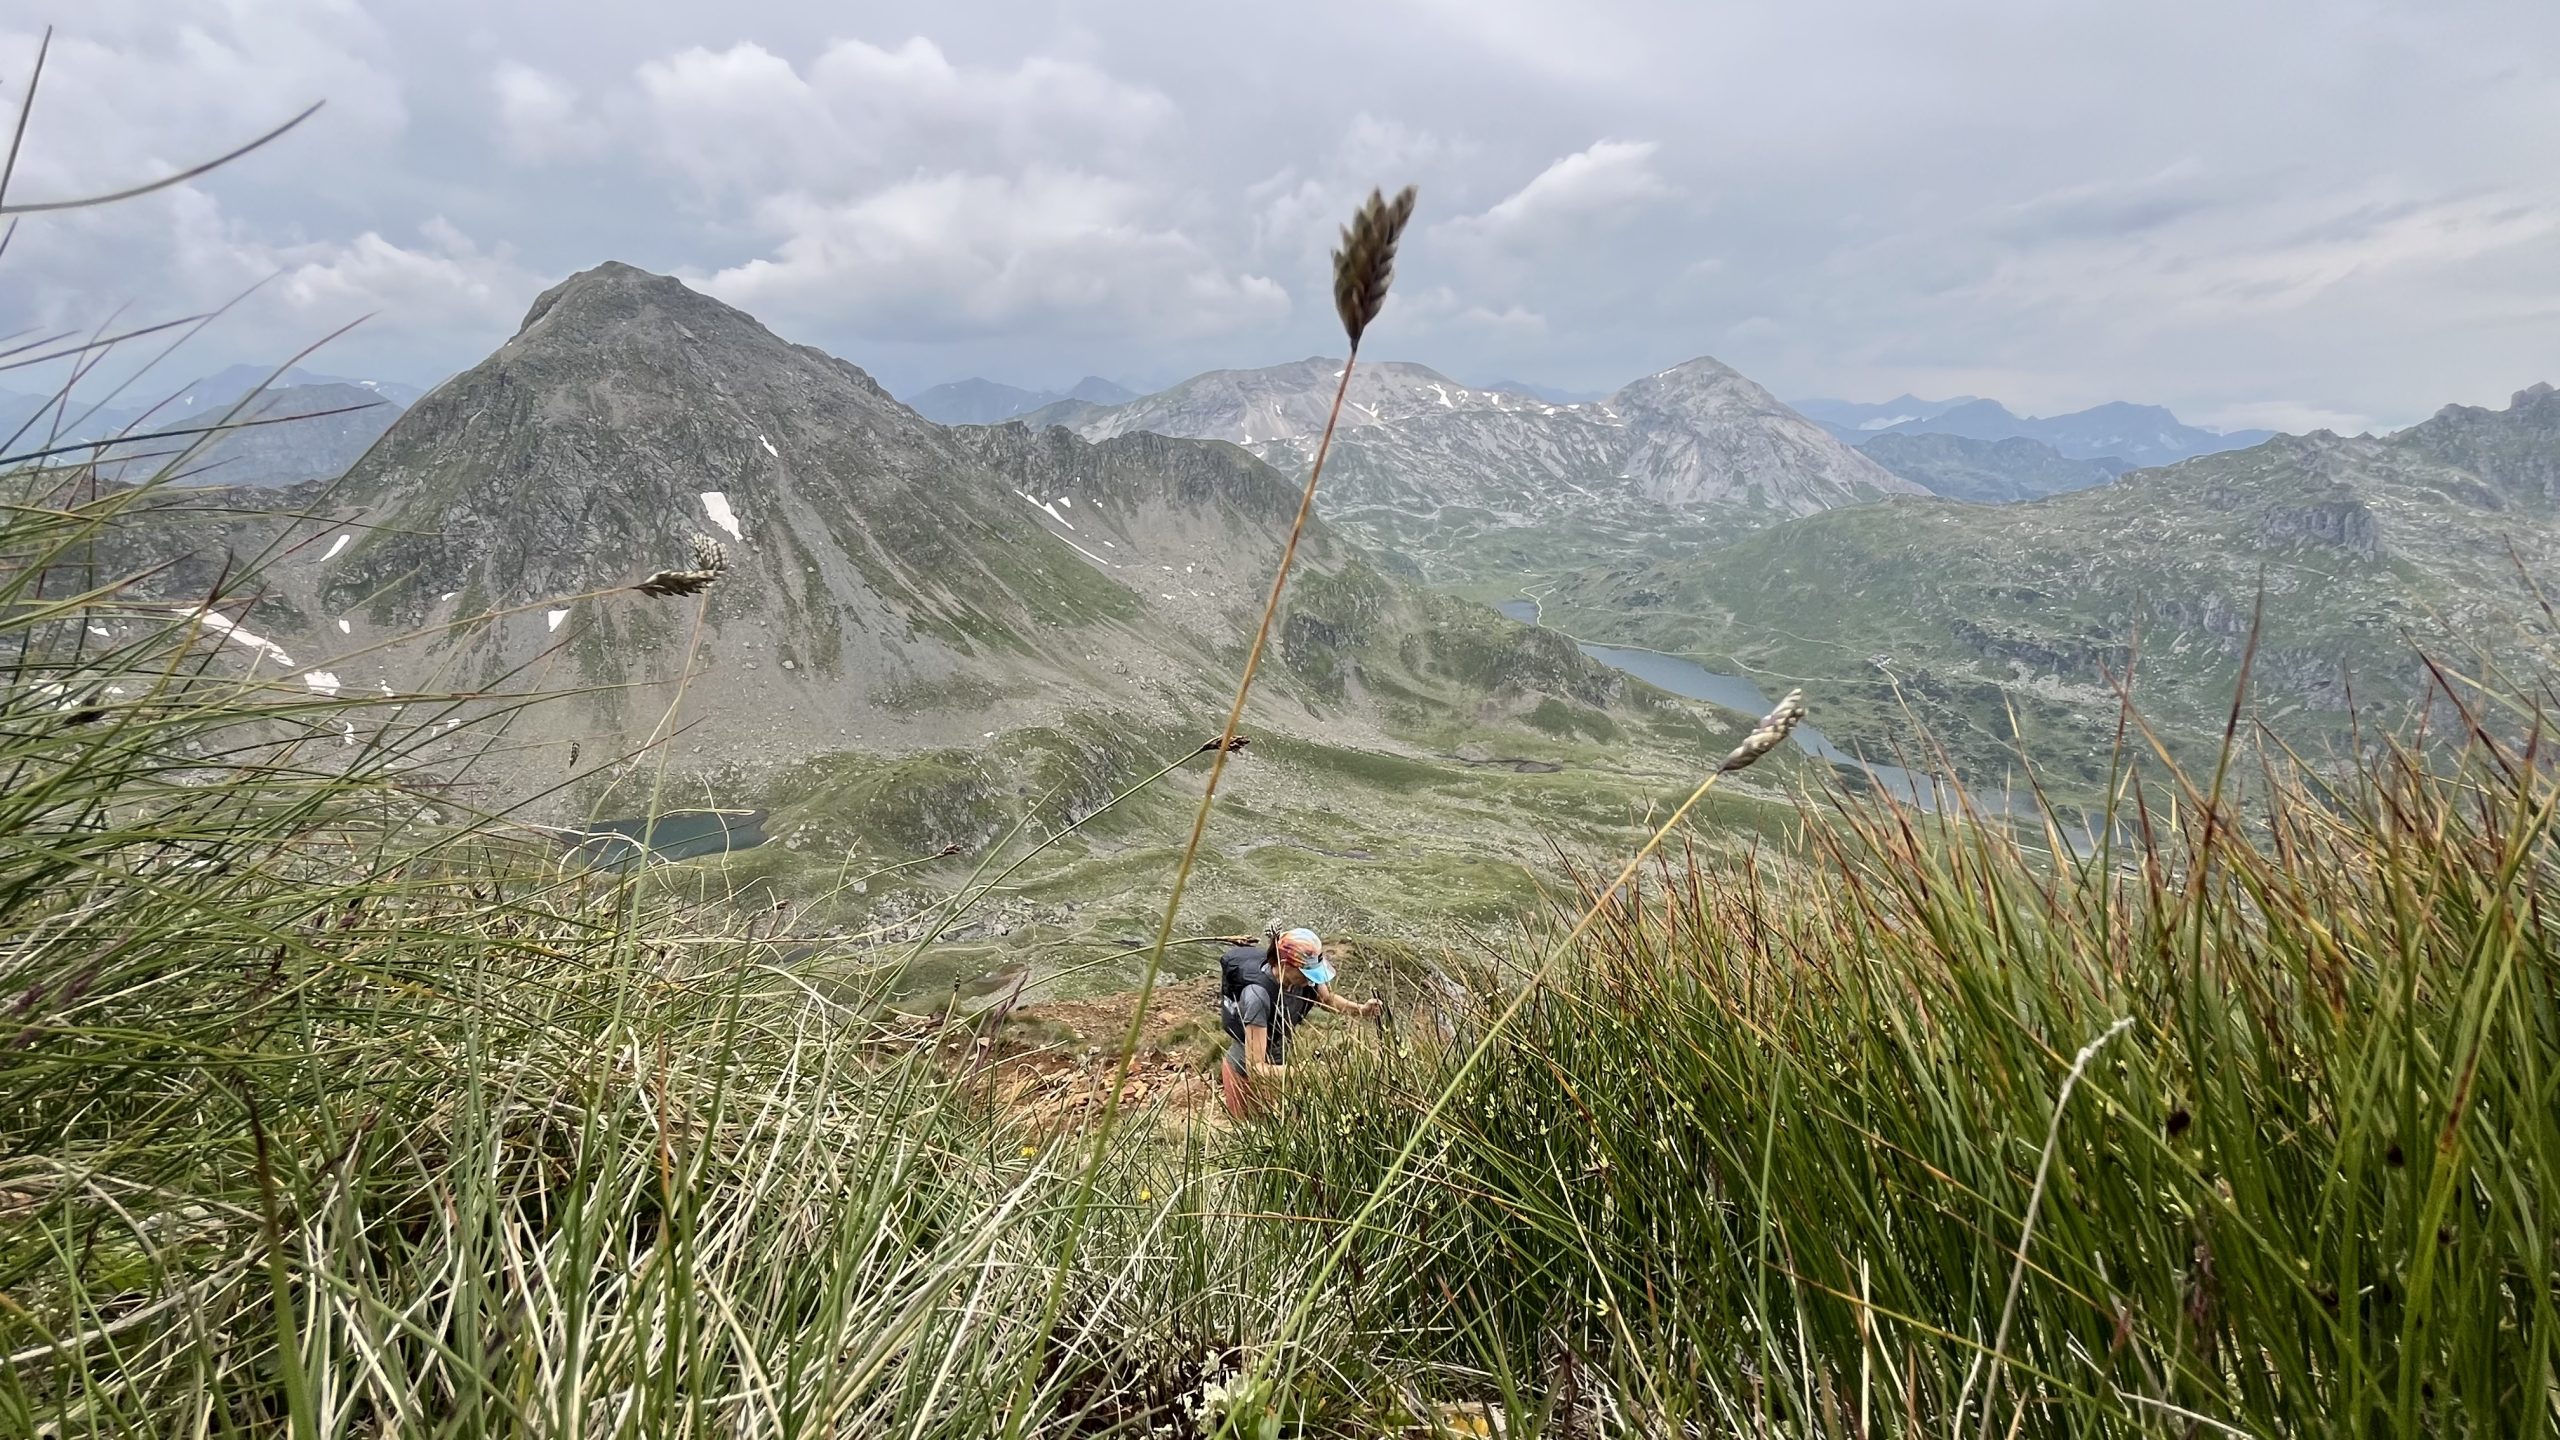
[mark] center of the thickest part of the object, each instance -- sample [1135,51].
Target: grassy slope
[328,1119]
[1949,619]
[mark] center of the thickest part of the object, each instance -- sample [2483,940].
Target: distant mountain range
[922,631]
[310,426]
[1553,395]
[1989,472]
[1854,420]
[984,402]
[1980,619]
[2137,435]
[1465,481]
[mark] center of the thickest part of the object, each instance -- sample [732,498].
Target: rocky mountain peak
[1705,433]
[1702,387]
[2516,450]
[619,318]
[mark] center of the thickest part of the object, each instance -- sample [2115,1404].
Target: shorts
[1237,1088]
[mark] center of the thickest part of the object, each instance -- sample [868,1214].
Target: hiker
[1264,989]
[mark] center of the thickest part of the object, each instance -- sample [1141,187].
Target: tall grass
[326,1114]
[328,1110]
[1844,1154]
[329,1113]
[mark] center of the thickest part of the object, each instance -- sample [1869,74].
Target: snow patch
[320,682]
[1089,555]
[1880,423]
[1067,502]
[342,628]
[1047,509]
[231,631]
[346,732]
[768,447]
[715,503]
[555,617]
[101,632]
[338,544]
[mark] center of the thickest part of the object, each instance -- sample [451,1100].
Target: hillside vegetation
[332,1112]
[1981,625]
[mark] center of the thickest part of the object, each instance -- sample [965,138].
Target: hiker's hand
[1372,1009]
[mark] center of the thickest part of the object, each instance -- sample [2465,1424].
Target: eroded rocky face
[1428,467]
[891,586]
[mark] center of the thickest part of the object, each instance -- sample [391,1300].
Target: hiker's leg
[1236,1088]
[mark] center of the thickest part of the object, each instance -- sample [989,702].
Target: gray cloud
[2333,212]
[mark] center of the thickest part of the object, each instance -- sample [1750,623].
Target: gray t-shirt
[1253,1007]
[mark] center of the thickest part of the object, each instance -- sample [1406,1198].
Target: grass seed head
[1773,728]
[710,560]
[1366,262]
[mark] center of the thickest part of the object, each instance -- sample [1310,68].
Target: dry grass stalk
[1362,270]
[1764,737]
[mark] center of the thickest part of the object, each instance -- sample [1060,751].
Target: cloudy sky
[2282,212]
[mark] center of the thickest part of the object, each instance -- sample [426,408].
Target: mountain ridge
[2137,435]
[976,401]
[911,616]
[1980,618]
[1989,472]
[1456,476]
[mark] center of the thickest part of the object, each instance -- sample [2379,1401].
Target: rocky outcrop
[1422,461]
[1702,434]
[1989,472]
[2516,451]
[2085,657]
[2344,524]
[891,587]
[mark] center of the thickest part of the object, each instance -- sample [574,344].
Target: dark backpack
[1242,968]
[1250,967]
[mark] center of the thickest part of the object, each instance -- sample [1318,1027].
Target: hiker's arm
[1257,1052]
[1360,1009]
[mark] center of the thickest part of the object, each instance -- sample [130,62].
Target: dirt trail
[1053,1063]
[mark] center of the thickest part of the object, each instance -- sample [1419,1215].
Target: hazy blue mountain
[1094,390]
[986,402]
[37,420]
[1993,472]
[976,402]
[224,386]
[2139,435]
[305,426]
[1552,394]
[1854,420]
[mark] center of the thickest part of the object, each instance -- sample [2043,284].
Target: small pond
[676,835]
[1682,676]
